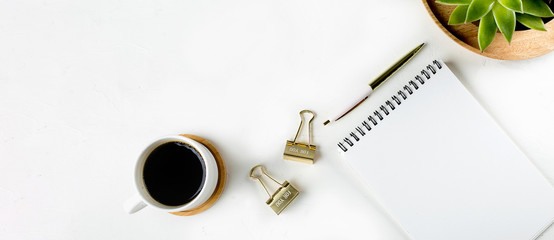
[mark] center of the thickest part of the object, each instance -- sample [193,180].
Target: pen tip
[326,122]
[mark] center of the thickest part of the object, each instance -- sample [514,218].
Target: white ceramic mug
[142,198]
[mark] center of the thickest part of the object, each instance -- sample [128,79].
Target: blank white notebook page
[444,170]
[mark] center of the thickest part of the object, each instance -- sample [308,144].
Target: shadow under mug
[143,198]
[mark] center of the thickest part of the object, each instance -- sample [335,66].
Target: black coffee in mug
[174,173]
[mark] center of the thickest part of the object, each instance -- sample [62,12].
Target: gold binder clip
[301,152]
[281,198]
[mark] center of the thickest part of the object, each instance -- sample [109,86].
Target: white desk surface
[85,85]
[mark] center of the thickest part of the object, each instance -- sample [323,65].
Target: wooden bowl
[525,44]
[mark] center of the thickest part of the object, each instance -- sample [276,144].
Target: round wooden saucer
[222,177]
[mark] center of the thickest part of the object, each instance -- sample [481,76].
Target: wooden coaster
[525,44]
[222,177]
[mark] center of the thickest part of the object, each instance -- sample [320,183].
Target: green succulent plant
[498,14]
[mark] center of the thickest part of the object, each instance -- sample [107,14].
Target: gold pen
[376,83]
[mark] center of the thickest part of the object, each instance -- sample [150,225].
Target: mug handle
[134,204]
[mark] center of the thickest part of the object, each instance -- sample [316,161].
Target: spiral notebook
[443,169]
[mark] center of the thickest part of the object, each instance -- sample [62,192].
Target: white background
[86,85]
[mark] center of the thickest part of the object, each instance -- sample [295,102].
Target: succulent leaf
[454,2]
[515,5]
[537,8]
[505,20]
[531,21]
[498,14]
[487,31]
[478,9]
[458,16]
